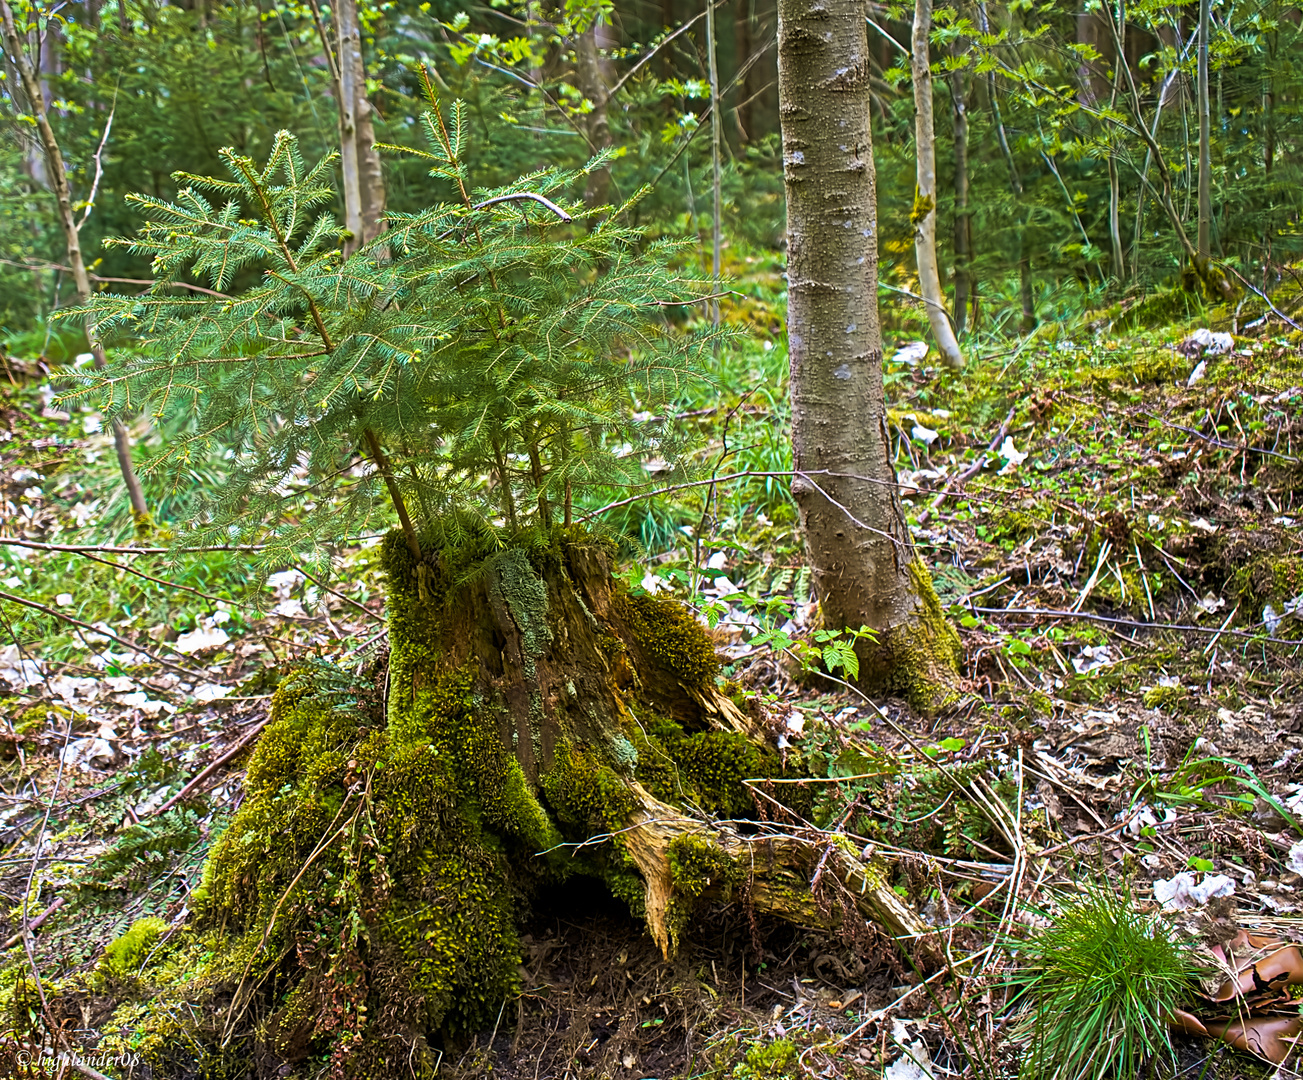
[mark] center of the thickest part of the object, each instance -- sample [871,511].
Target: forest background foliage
[1061,208]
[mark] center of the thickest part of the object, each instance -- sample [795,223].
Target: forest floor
[1124,565]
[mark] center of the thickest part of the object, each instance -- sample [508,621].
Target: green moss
[920,659]
[1160,309]
[1269,578]
[923,206]
[588,797]
[767,1061]
[1016,525]
[33,718]
[697,863]
[123,958]
[1168,698]
[611,646]
[705,769]
[664,629]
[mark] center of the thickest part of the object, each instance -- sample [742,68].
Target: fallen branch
[34,923]
[1219,443]
[106,633]
[108,549]
[1262,295]
[339,595]
[216,764]
[1051,613]
[972,470]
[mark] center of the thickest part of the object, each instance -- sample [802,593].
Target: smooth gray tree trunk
[364,190]
[865,569]
[594,83]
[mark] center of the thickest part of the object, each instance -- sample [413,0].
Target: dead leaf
[1251,1009]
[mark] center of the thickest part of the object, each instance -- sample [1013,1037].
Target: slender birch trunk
[924,217]
[865,568]
[58,176]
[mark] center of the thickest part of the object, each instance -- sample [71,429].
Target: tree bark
[924,216]
[364,190]
[865,569]
[58,176]
[591,77]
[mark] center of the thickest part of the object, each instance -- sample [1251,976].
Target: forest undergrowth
[1110,514]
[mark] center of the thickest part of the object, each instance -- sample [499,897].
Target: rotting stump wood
[536,721]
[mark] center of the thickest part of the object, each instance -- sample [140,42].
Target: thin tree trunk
[924,217]
[595,87]
[1205,137]
[58,176]
[746,87]
[865,569]
[364,193]
[1212,279]
[371,182]
[1114,220]
[963,223]
[1114,181]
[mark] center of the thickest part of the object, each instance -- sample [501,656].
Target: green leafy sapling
[822,648]
[482,356]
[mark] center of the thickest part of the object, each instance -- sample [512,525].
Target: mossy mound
[918,659]
[399,822]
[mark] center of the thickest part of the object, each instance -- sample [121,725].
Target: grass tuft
[1099,982]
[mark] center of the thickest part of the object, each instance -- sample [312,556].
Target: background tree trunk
[865,568]
[1022,256]
[363,183]
[593,81]
[1114,180]
[58,177]
[1204,243]
[924,216]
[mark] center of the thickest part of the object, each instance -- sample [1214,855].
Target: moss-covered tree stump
[535,722]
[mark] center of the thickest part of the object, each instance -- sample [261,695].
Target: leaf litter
[1125,569]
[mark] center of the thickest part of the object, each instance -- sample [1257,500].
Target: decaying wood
[776,879]
[571,689]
